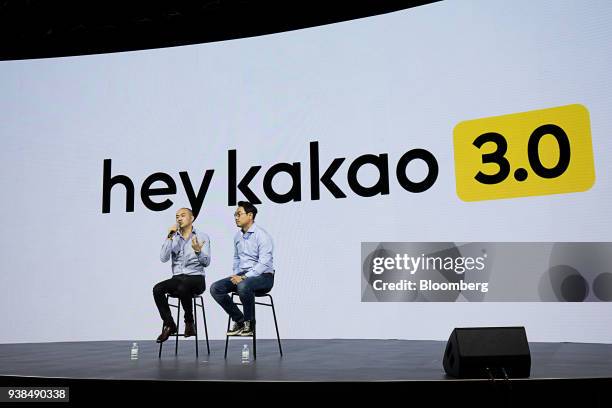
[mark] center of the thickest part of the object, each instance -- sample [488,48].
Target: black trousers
[181,286]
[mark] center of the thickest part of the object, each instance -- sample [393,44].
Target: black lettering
[243,186]
[432,174]
[196,201]
[382,185]
[146,191]
[326,180]
[107,184]
[294,193]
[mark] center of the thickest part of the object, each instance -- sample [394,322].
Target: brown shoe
[166,332]
[189,329]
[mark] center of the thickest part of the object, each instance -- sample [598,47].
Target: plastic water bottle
[134,353]
[245,354]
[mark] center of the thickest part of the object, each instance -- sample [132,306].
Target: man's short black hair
[248,208]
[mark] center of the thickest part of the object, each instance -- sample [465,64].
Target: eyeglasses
[238,214]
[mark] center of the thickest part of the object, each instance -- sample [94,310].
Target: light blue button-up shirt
[253,252]
[184,259]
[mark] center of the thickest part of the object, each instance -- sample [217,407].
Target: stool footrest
[253,336]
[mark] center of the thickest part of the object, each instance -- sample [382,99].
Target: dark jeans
[181,286]
[246,290]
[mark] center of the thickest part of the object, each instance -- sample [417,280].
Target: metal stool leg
[280,348]
[178,324]
[205,327]
[229,319]
[254,322]
[195,324]
[160,344]
[195,318]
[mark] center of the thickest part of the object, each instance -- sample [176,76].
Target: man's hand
[172,230]
[237,279]
[196,245]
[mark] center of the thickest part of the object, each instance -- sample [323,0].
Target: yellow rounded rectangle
[540,152]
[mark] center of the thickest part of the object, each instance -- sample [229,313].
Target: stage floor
[303,360]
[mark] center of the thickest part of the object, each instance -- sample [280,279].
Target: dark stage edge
[332,360]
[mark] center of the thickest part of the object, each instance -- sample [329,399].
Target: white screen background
[384,84]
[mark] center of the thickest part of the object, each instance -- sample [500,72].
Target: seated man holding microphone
[190,253]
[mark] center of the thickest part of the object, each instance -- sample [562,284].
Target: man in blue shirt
[190,253]
[253,270]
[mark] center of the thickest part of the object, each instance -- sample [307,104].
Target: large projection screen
[379,85]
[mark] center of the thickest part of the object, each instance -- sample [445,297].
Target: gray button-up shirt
[184,259]
[253,252]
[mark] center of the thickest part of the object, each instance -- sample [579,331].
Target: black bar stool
[195,321]
[271,304]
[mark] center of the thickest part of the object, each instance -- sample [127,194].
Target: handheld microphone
[171,234]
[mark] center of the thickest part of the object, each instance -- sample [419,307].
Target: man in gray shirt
[253,271]
[190,253]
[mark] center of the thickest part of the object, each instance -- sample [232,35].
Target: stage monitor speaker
[485,352]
